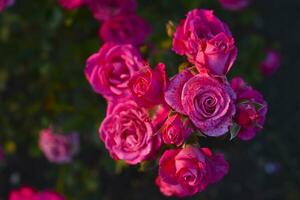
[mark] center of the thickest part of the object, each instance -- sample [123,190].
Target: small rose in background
[271,63]
[71,4]
[251,109]
[105,9]
[28,193]
[206,41]
[185,172]
[235,5]
[5,4]
[110,70]
[128,133]
[58,148]
[125,29]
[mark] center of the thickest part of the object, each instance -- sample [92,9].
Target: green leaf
[183,66]
[147,165]
[120,166]
[234,130]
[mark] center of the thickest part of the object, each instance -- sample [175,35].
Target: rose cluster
[58,148]
[119,22]
[152,117]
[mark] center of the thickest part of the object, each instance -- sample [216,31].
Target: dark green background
[42,54]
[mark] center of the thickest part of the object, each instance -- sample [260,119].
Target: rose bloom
[147,85]
[235,5]
[5,4]
[128,133]
[251,109]
[27,193]
[105,9]
[185,172]
[206,41]
[71,4]
[175,130]
[207,101]
[58,148]
[271,63]
[125,29]
[110,70]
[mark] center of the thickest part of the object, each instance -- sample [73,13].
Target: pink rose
[105,9]
[206,100]
[206,41]
[110,70]
[185,172]
[251,109]
[58,148]
[128,133]
[271,63]
[175,130]
[71,4]
[147,85]
[5,4]
[125,29]
[27,193]
[235,5]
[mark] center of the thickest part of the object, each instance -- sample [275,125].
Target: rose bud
[110,70]
[147,85]
[5,4]
[185,172]
[128,133]
[271,63]
[206,41]
[125,29]
[176,129]
[58,148]
[70,4]
[105,9]
[235,5]
[251,109]
[207,101]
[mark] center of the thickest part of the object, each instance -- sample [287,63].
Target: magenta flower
[58,148]
[128,133]
[206,100]
[176,129]
[251,109]
[5,4]
[147,85]
[110,70]
[125,29]
[28,193]
[271,63]
[235,5]
[105,9]
[71,4]
[206,41]
[185,172]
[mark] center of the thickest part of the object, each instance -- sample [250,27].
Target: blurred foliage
[43,49]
